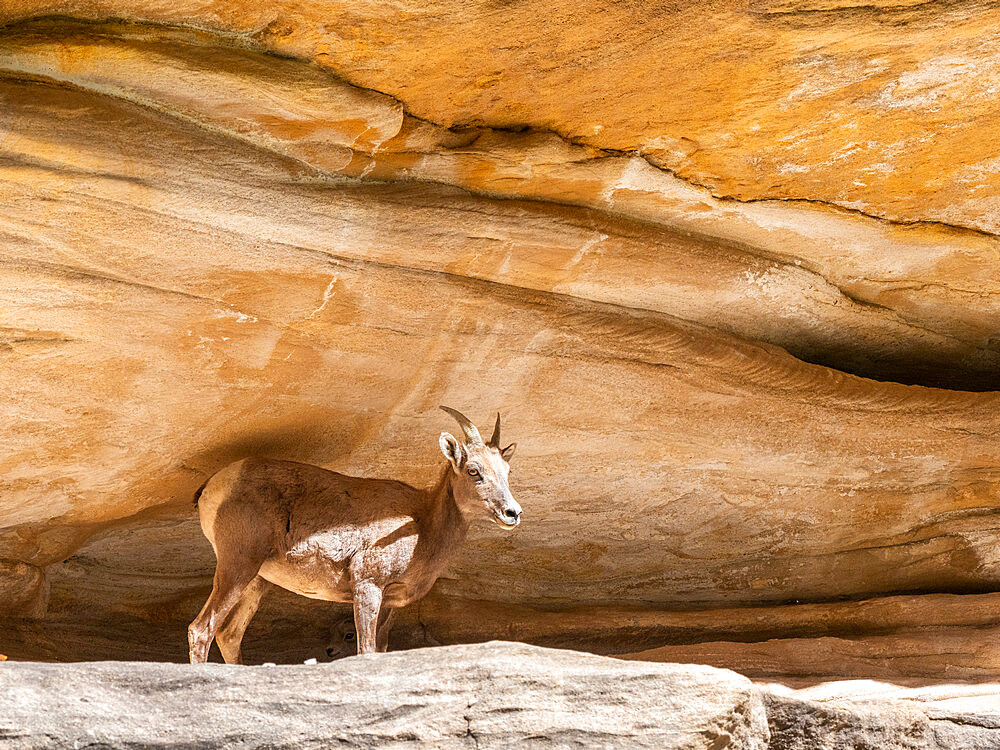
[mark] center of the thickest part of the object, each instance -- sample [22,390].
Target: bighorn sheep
[341,638]
[377,543]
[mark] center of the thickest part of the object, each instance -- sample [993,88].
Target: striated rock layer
[877,106]
[209,251]
[913,302]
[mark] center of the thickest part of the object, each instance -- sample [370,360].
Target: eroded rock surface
[872,715]
[910,302]
[483,696]
[876,106]
[209,251]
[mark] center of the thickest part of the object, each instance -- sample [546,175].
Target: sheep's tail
[197,494]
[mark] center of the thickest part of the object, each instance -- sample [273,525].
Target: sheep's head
[343,639]
[481,471]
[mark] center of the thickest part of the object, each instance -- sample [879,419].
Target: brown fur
[377,543]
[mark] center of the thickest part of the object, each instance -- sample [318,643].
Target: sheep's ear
[452,450]
[508,452]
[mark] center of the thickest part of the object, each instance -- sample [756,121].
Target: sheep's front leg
[367,604]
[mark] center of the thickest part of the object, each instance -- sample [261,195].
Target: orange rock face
[686,253]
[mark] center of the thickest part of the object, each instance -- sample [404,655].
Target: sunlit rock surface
[209,250]
[482,696]
[488,695]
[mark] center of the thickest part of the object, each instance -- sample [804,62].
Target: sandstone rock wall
[674,247]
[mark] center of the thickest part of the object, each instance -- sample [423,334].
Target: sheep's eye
[473,472]
[348,636]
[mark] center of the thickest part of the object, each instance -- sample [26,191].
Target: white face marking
[481,472]
[485,475]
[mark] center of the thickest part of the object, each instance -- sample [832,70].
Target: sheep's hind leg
[230,635]
[233,573]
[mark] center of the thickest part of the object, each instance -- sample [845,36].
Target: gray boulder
[489,695]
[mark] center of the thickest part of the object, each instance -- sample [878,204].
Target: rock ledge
[485,695]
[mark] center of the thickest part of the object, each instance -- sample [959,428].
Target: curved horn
[471,433]
[495,440]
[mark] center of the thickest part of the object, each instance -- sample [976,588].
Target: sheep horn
[471,433]
[495,440]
